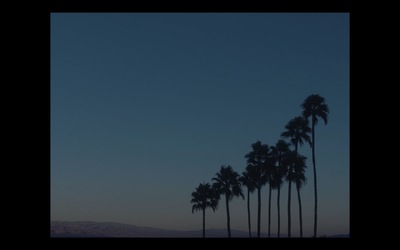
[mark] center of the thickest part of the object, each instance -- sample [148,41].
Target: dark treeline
[269,164]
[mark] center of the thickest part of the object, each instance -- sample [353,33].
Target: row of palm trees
[272,165]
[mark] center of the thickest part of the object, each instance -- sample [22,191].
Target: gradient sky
[145,106]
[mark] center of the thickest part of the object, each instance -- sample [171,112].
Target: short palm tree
[279,150]
[227,183]
[256,161]
[204,196]
[300,180]
[269,172]
[314,106]
[288,162]
[298,132]
[247,180]
[295,166]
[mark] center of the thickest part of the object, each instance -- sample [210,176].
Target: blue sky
[145,106]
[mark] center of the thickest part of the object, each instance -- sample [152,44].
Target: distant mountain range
[90,229]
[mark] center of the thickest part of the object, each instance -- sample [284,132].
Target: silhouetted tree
[256,161]
[279,150]
[295,165]
[288,162]
[300,180]
[314,106]
[297,130]
[227,183]
[269,171]
[204,196]
[247,181]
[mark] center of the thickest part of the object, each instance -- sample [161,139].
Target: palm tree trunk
[300,213]
[204,223]
[228,221]
[248,210]
[289,221]
[315,178]
[279,213]
[259,211]
[269,211]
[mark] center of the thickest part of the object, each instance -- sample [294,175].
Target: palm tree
[314,106]
[256,160]
[247,180]
[298,131]
[227,183]
[269,171]
[288,162]
[279,150]
[204,196]
[300,180]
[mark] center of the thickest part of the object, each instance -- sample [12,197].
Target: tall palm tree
[298,132]
[227,183]
[247,180]
[279,150]
[204,196]
[256,160]
[314,106]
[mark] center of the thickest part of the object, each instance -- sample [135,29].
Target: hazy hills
[90,229]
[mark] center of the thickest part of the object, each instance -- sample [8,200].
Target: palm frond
[204,196]
[314,106]
[247,181]
[227,182]
[297,130]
